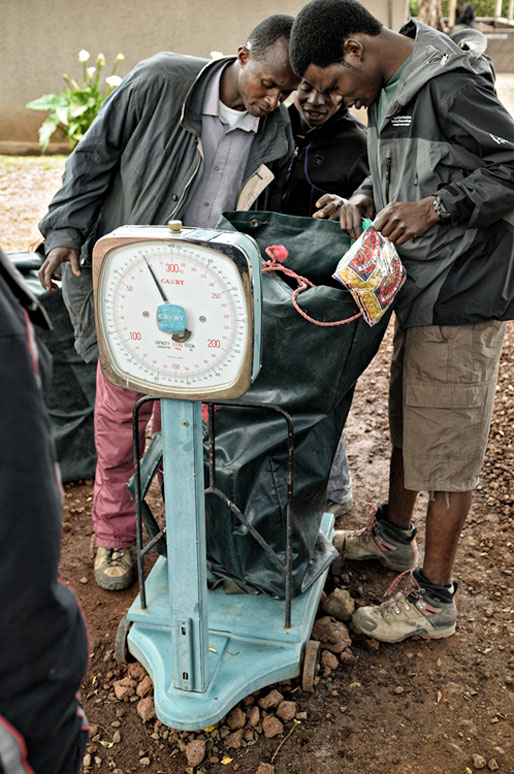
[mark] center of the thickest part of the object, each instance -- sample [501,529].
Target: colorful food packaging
[373,273]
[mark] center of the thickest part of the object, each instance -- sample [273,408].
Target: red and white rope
[278,254]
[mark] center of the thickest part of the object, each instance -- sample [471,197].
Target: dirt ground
[413,708]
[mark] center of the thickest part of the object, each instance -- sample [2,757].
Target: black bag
[308,370]
[72,392]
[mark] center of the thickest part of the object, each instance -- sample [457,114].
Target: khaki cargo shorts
[441,393]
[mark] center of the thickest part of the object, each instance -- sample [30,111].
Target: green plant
[73,110]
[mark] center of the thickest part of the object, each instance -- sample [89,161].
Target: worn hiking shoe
[418,608]
[114,568]
[339,509]
[392,546]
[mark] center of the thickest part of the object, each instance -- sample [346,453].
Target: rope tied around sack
[278,255]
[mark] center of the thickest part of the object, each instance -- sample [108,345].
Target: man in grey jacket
[441,186]
[181,137]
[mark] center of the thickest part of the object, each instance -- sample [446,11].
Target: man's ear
[353,49]
[243,55]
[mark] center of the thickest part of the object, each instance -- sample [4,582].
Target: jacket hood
[435,54]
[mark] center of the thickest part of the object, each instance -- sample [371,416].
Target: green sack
[308,370]
[72,392]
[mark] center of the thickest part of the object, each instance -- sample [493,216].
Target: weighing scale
[179,318]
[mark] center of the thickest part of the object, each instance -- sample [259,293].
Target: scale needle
[159,287]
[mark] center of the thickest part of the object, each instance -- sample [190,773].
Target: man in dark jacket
[442,188]
[43,656]
[330,156]
[181,137]
[330,153]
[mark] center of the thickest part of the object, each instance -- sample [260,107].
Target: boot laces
[403,587]
[115,556]
[367,533]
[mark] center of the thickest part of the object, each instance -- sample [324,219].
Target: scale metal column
[179,317]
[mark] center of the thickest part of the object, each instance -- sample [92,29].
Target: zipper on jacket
[387,175]
[188,184]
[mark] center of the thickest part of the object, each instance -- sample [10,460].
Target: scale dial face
[174,318]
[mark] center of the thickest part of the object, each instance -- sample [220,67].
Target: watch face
[440,209]
[174,318]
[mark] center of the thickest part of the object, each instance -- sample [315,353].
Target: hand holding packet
[372,271]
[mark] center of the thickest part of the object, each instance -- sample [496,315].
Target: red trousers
[113,512]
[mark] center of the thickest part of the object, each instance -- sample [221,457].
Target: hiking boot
[114,568]
[418,608]
[392,546]
[339,509]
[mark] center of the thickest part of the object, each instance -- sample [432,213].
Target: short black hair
[268,31]
[320,29]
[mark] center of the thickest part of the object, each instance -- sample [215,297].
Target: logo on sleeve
[499,140]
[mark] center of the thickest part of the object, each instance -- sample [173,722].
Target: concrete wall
[500,47]
[42,38]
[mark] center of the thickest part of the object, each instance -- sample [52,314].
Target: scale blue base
[248,646]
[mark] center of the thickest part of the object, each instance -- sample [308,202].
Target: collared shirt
[225,152]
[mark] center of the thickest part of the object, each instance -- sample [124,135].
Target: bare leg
[446,514]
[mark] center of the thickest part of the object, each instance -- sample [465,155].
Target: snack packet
[372,271]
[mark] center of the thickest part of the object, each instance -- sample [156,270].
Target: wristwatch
[440,209]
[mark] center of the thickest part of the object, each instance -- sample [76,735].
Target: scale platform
[248,646]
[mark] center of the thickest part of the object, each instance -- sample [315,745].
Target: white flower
[113,80]
[120,57]
[91,72]
[83,55]
[100,60]
[216,55]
